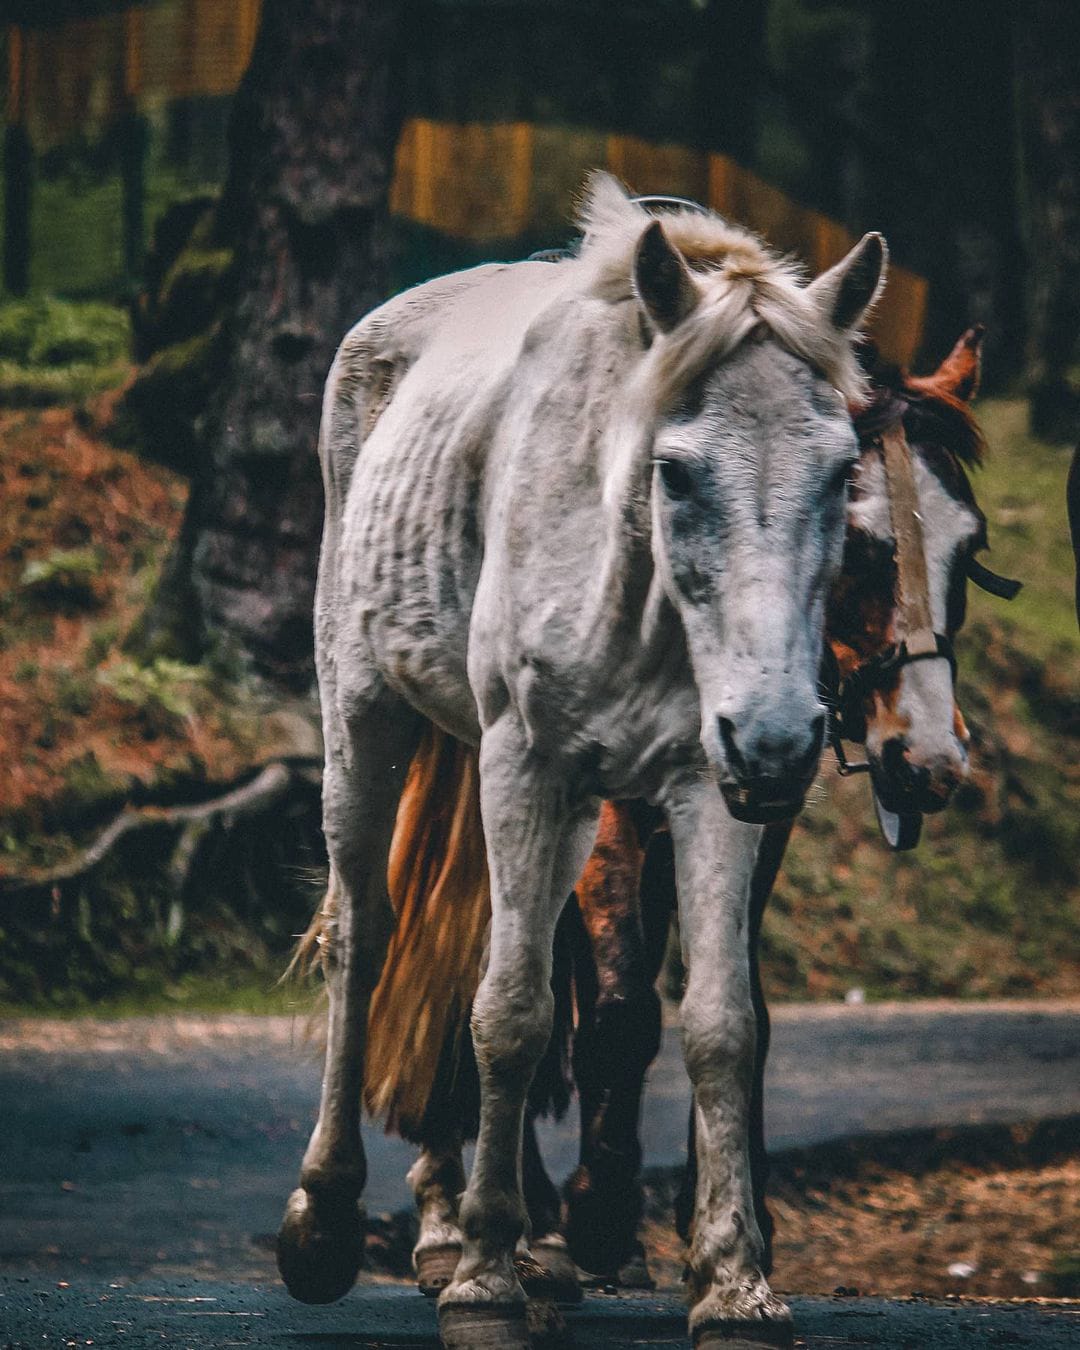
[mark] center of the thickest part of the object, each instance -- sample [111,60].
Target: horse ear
[958,374]
[845,292]
[662,279]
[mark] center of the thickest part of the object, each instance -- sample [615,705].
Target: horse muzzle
[906,781]
[769,765]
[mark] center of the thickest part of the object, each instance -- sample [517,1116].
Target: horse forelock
[742,283]
[931,417]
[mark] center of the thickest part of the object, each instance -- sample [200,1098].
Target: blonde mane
[743,284]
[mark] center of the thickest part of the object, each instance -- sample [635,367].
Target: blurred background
[199,198]
[184,245]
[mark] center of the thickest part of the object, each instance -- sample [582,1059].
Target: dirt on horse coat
[583,516]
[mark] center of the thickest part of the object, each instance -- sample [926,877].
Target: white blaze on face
[924,710]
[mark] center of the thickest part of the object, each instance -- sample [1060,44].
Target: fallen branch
[267,787]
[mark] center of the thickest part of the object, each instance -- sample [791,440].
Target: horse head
[902,702]
[751,448]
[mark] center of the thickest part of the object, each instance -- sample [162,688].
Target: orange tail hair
[438,881]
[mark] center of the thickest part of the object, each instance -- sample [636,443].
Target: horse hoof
[435,1268]
[552,1254]
[634,1271]
[484,1326]
[740,1334]
[320,1247]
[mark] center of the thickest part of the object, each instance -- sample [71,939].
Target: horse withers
[584,517]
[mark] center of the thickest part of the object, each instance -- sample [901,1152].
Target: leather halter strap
[1005,588]
[913,583]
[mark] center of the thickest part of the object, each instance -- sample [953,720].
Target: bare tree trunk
[1049,65]
[312,138]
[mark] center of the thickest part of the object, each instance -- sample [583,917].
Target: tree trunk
[1049,67]
[312,138]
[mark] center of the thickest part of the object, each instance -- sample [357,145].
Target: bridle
[848,695]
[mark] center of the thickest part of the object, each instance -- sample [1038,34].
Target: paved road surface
[161,1150]
[201,1316]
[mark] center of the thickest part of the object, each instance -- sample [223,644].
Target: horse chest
[617,724]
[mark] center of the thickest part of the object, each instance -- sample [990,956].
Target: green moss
[159,413]
[44,332]
[54,351]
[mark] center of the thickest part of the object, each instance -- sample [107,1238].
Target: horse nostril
[894,758]
[736,763]
[918,776]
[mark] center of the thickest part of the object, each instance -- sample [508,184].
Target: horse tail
[438,882]
[311,944]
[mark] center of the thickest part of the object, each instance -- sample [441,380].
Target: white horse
[584,516]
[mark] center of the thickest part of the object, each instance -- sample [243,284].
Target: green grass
[1022,491]
[60,351]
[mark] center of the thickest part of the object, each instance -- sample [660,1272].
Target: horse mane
[743,286]
[931,415]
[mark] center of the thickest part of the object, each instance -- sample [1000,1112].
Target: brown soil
[62,730]
[851,1218]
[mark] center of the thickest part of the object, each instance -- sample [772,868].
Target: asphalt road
[197,1316]
[155,1155]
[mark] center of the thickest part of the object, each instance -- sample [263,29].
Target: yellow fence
[481,182]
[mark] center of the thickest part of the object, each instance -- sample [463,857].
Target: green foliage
[162,689]
[102,640]
[44,332]
[63,567]
[63,577]
[74,692]
[54,351]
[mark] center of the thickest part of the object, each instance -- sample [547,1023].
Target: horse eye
[675,477]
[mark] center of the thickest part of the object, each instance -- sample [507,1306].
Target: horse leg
[537,843]
[770,855]
[437,1179]
[320,1243]
[715,857]
[617,1039]
[547,1245]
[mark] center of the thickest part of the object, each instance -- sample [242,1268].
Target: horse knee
[718,1040]
[511,1033]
